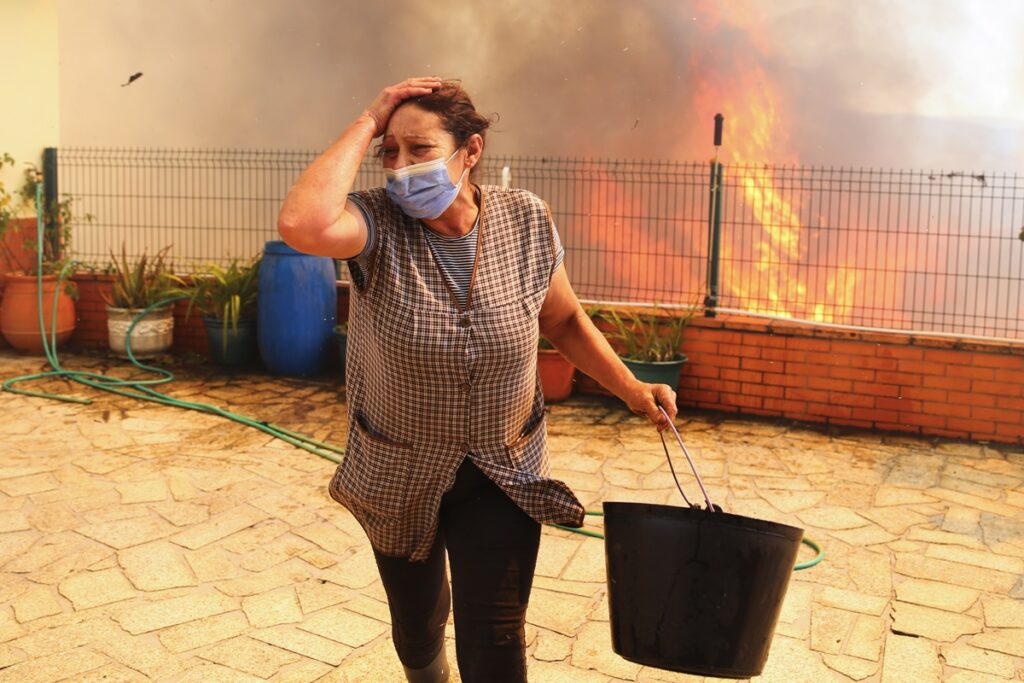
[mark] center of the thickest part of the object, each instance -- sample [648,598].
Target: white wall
[29,58]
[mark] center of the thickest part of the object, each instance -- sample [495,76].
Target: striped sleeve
[359,266]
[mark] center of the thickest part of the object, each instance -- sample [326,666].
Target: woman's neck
[458,219]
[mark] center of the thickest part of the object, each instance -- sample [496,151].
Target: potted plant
[29,264]
[651,341]
[556,373]
[136,286]
[226,297]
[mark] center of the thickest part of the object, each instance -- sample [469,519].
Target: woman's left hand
[645,398]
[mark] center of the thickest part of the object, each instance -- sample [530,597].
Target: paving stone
[151,491]
[53,668]
[556,672]
[77,631]
[316,594]
[115,512]
[357,571]
[9,626]
[249,655]
[212,564]
[893,495]
[896,520]
[792,501]
[919,567]
[35,602]
[219,526]
[944,538]
[369,607]
[977,558]
[90,589]
[797,604]
[303,671]
[52,517]
[851,667]
[552,647]
[181,513]
[829,628]
[935,594]
[1006,640]
[376,662]
[125,533]
[558,612]
[910,660]
[832,518]
[864,536]
[318,558]
[281,575]
[26,486]
[976,502]
[791,660]
[274,607]
[1003,613]
[973,677]
[865,639]
[286,507]
[111,673]
[13,521]
[851,601]
[142,618]
[555,552]
[932,623]
[202,632]
[255,537]
[156,566]
[327,536]
[593,650]
[280,549]
[964,656]
[588,564]
[344,626]
[304,643]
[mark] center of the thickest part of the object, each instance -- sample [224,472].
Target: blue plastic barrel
[298,308]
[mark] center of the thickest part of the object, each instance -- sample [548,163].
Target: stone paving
[142,542]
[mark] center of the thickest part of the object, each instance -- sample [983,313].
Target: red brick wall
[919,385]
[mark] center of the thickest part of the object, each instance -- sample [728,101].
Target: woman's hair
[458,115]
[456,111]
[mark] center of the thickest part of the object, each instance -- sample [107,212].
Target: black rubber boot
[435,672]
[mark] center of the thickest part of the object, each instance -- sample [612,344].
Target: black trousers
[492,548]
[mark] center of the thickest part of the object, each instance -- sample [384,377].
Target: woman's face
[414,135]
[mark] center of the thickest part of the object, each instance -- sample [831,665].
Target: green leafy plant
[341,328]
[226,293]
[544,343]
[58,220]
[653,335]
[141,283]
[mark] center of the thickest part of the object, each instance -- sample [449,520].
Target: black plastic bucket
[695,591]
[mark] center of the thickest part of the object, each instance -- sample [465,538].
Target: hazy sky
[917,83]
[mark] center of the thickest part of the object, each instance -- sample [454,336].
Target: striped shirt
[454,255]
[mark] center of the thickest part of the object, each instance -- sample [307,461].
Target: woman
[447,452]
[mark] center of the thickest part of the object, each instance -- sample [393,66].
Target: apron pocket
[373,477]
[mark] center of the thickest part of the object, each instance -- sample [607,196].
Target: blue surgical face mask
[423,190]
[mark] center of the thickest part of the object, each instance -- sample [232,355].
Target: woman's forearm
[317,199]
[583,345]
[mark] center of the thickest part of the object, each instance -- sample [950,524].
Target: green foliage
[141,283]
[228,294]
[653,336]
[58,219]
[341,328]
[544,343]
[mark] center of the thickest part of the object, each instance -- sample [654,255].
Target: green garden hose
[112,384]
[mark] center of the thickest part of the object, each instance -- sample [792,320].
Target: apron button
[465,386]
[464,446]
[464,321]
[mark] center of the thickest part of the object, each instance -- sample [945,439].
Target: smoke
[932,84]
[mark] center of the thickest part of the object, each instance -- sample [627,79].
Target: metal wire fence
[894,249]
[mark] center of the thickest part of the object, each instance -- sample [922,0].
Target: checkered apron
[429,383]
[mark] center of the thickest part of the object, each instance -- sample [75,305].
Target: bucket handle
[707,498]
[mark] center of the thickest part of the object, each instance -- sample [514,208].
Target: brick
[829,410]
[857,374]
[758,364]
[739,350]
[741,400]
[921,367]
[1010,431]
[899,352]
[775,354]
[875,415]
[997,415]
[923,420]
[740,375]
[784,380]
[722,336]
[785,405]
[991,360]
[874,389]
[765,340]
[997,388]
[700,370]
[923,394]
[829,384]
[947,409]
[854,400]
[897,427]
[873,362]
[719,385]
[791,356]
[805,344]
[701,396]
[762,390]
[902,378]
[898,404]
[796,394]
[860,424]
[807,370]
[970,425]
[828,358]
[854,348]
[970,372]
[948,357]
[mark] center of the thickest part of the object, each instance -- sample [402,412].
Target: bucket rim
[786,531]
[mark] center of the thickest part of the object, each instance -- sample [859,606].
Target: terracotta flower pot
[19,313]
[555,375]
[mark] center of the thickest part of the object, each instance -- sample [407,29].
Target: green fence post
[50,198]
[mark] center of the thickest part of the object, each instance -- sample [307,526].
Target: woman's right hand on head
[384,105]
